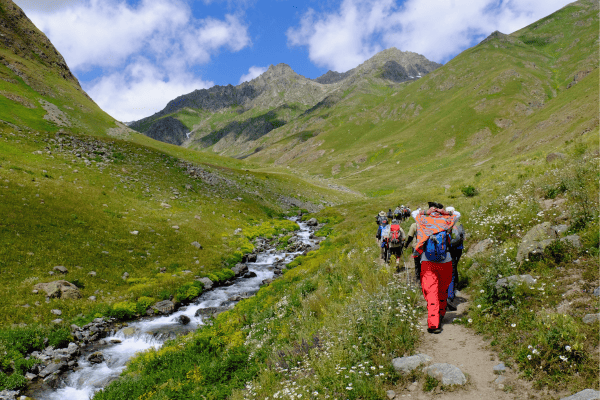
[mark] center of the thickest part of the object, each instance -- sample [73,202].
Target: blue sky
[133,56]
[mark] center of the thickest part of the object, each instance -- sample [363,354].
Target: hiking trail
[461,347]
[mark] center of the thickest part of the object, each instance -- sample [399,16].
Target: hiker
[380,228]
[398,213]
[390,214]
[395,241]
[380,217]
[384,234]
[433,241]
[412,233]
[456,249]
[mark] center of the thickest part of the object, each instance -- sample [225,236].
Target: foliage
[469,191]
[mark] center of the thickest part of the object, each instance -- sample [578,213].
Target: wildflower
[513,325]
[568,348]
[529,356]
[563,358]
[470,320]
[478,305]
[482,291]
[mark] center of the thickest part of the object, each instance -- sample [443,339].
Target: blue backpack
[437,246]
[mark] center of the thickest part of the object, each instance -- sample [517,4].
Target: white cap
[450,209]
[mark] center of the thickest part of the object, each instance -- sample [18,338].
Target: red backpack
[396,236]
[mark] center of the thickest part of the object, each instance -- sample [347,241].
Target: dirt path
[460,346]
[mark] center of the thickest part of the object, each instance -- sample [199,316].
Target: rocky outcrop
[480,247]
[59,289]
[168,130]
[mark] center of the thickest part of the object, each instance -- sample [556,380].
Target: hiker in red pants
[433,246]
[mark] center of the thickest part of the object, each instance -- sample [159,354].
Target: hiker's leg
[455,259]
[452,286]
[444,271]
[429,285]
[417,268]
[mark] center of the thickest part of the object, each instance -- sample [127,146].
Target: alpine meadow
[129,239]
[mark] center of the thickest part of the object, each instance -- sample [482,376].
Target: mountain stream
[152,332]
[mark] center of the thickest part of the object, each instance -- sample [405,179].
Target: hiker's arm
[410,238]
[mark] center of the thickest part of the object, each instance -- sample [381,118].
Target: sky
[134,56]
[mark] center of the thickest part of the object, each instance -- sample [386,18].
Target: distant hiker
[398,213]
[412,233]
[384,233]
[406,212]
[456,249]
[390,214]
[433,245]
[395,241]
[380,217]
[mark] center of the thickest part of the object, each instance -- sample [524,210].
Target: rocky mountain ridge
[280,86]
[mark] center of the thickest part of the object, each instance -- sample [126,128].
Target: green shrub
[123,310]
[469,191]
[143,303]
[188,291]
[59,338]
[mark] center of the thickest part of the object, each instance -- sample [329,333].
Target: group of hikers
[437,241]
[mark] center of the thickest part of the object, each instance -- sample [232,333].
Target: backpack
[458,236]
[396,237]
[436,246]
[379,219]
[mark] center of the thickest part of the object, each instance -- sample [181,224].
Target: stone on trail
[498,369]
[587,394]
[197,245]
[597,291]
[447,374]
[591,318]
[390,394]
[407,364]
[61,269]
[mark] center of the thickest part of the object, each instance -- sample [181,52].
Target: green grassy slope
[501,99]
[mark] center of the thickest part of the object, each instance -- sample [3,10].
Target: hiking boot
[450,305]
[435,330]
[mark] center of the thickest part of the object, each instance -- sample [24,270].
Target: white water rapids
[147,333]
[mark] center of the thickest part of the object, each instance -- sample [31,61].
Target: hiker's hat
[381,214]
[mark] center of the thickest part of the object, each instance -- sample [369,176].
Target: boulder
[59,289]
[240,269]
[536,240]
[96,358]
[56,312]
[52,368]
[61,269]
[92,273]
[574,240]
[210,311]
[197,245]
[404,365]
[183,319]
[249,274]
[587,394]
[554,156]
[515,280]
[591,318]
[312,222]
[479,248]
[164,307]
[251,257]
[447,374]
[208,284]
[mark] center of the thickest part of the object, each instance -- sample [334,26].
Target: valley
[131,216]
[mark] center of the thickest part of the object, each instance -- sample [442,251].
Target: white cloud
[141,90]
[439,29]
[146,51]
[253,72]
